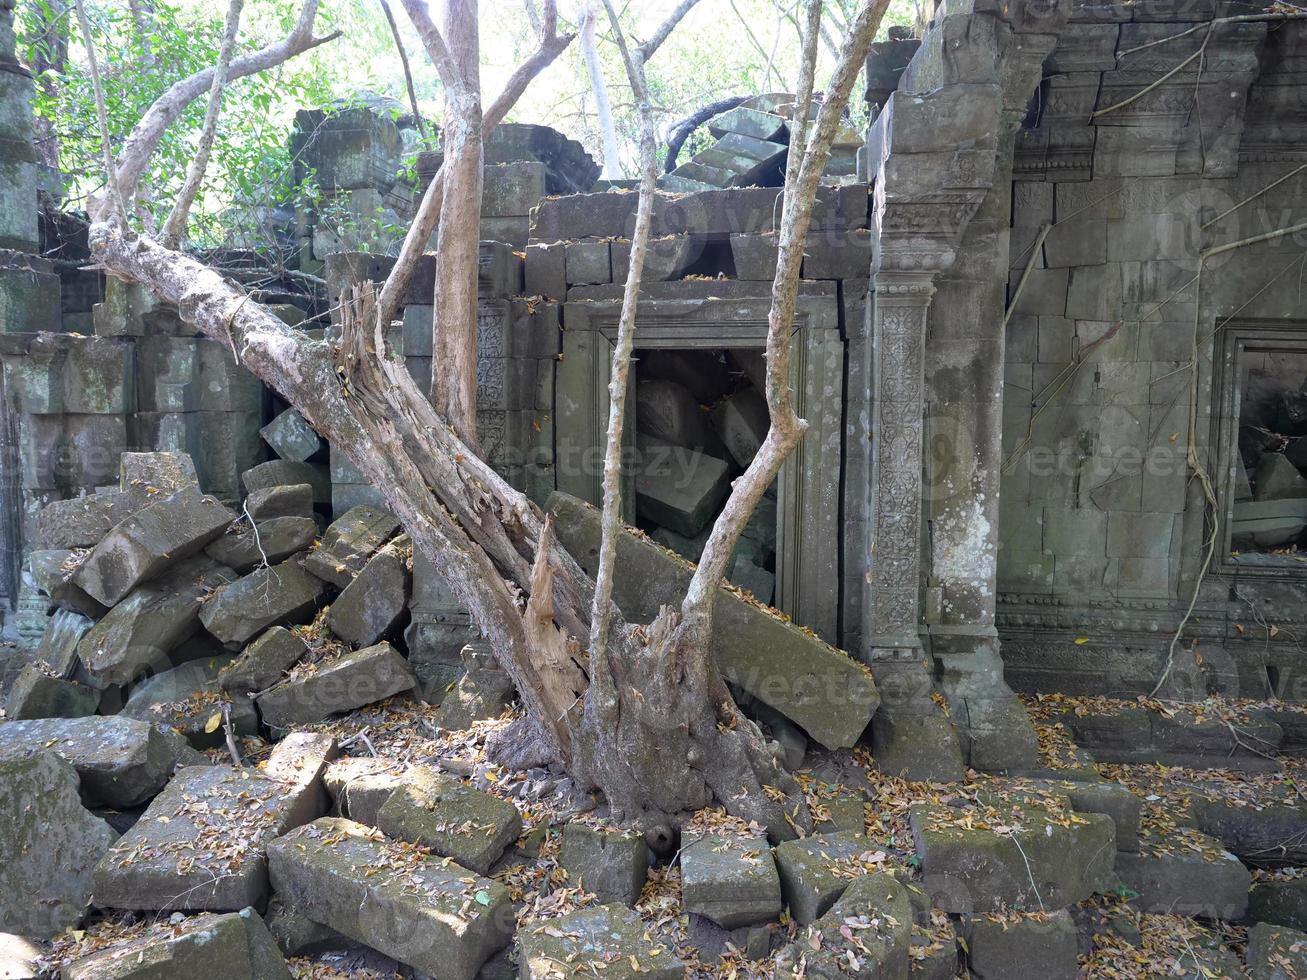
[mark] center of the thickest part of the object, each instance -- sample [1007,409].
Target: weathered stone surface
[1277,479]
[339,684]
[201,844]
[866,935]
[136,636]
[588,263]
[81,522]
[301,759]
[666,258]
[1261,836]
[407,905]
[359,785]
[52,571]
[454,820]
[814,685]
[236,946]
[291,437]
[189,700]
[37,694]
[1205,881]
[150,474]
[1281,902]
[288,473]
[150,541]
[1276,953]
[1008,949]
[57,651]
[374,604]
[1040,860]
[750,122]
[282,595]
[20,959]
[1140,735]
[704,373]
[263,662]
[667,411]
[678,487]
[121,762]
[349,542]
[917,745]
[755,256]
[49,846]
[482,692]
[611,864]
[297,935]
[608,940]
[741,421]
[730,880]
[294,500]
[243,548]
[809,870]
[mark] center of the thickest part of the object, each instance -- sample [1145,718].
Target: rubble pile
[1269,486]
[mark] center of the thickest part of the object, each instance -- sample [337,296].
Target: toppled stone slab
[38,694]
[121,762]
[1276,953]
[278,596]
[454,820]
[815,871]
[611,864]
[136,636]
[1279,901]
[148,542]
[152,474]
[236,946]
[81,522]
[1261,836]
[245,547]
[263,662]
[374,604]
[349,542]
[424,912]
[1186,873]
[295,500]
[729,879]
[483,691]
[608,940]
[291,437]
[57,650]
[677,487]
[1018,947]
[49,845]
[52,571]
[742,421]
[340,683]
[189,700]
[1025,858]
[201,844]
[1134,734]
[297,935]
[866,935]
[359,785]
[301,759]
[287,473]
[821,689]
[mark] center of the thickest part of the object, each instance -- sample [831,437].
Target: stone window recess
[725,338]
[1261,421]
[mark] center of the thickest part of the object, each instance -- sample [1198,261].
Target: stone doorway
[808,550]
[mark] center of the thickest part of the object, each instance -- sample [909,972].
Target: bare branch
[533,15]
[102,115]
[174,229]
[611,521]
[433,41]
[144,137]
[803,174]
[603,107]
[648,49]
[408,72]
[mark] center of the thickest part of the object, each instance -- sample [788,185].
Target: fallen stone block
[731,880]
[1281,902]
[1276,953]
[150,475]
[295,500]
[282,595]
[201,844]
[611,864]
[741,422]
[919,745]
[1128,735]
[711,941]
[297,935]
[360,785]
[1277,479]
[750,122]
[866,935]
[665,258]
[150,541]
[137,635]
[301,759]
[677,487]
[291,437]
[349,542]
[49,845]
[37,694]
[52,571]
[1187,873]
[121,762]
[1260,836]
[263,662]
[338,684]
[815,871]
[819,688]
[236,946]
[484,691]
[1018,947]
[1034,859]
[454,820]
[374,604]
[189,700]
[667,411]
[287,473]
[81,522]
[423,911]
[703,372]
[244,547]
[57,650]
[606,940]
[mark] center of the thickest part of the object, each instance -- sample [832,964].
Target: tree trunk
[603,107]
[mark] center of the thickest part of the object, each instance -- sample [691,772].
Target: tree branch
[647,50]
[102,115]
[174,229]
[408,72]
[144,137]
[433,41]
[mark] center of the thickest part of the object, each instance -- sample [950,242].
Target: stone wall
[1119,357]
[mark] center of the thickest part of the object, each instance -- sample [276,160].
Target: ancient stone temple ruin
[1050,343]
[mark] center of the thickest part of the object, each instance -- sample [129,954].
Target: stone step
[1186,873]
[1264,836]
[454,820]
[730,879]
[750,122]
[819,688]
